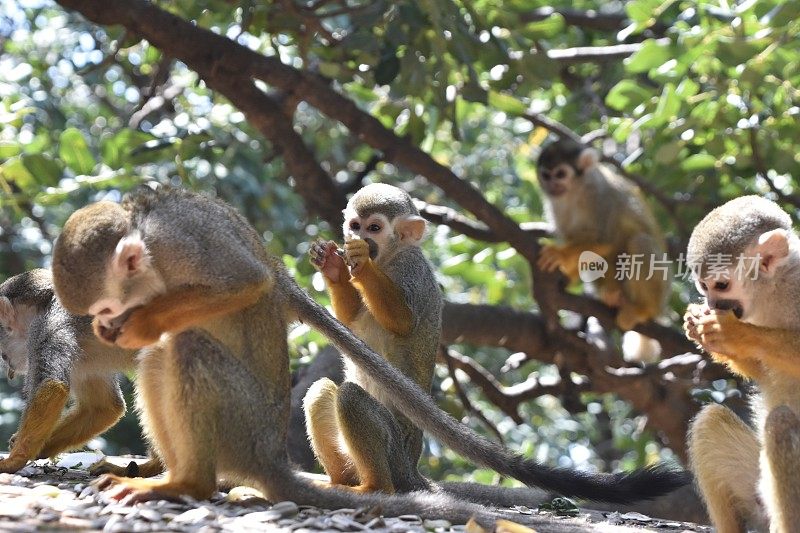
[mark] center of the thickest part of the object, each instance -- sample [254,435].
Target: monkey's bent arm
[184,308]
[384,299]
[345,300]
[774,348]
[40,417]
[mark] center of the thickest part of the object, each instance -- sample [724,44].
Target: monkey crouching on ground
[594,209]
[60,357]
[187,278]
[745,258]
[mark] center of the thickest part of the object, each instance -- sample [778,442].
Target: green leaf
[651,55]
[14,170]
[546,28]
[74,151]
[506,103]
[669,104]
[116,150]
[9,149]
[626,95]
[43,168]
[697,162]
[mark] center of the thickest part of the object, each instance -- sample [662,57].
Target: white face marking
[725,290]
[124,290]
[376,227]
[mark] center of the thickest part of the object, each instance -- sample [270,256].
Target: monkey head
[101,265]
[385,217]
[562,164]
[737,250]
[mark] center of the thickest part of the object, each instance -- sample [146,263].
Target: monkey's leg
[179,399]
[780,464]
[643,298]
[319,405]
[98,406]
[40,417]
[723,453]
[371,433]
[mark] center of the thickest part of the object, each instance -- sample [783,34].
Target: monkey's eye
[560,174]
[355,226]
[373,228]
[546,175]
[722,285]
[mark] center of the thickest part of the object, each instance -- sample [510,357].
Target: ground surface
[58,497]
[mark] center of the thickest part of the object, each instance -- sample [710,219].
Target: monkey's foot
[628,316]
[133,490]
[550,258]
[12,464]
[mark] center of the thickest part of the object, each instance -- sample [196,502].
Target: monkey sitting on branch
[745,258]
[188,279]
[601,217]
[60,358]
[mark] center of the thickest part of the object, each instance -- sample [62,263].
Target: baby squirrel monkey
[187,278]
[60,357]
[389,298]
[746,261]
[594,209]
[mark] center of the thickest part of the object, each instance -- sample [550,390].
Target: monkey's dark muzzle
[730,305]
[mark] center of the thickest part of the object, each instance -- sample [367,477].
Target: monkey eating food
[383,288]
[745,258]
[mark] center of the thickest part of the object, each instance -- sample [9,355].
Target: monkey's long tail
[422,503]
[420,408]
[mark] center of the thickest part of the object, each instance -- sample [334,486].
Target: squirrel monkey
[187,279]
[594,209]
[385,291]
[745,259]
[60,359]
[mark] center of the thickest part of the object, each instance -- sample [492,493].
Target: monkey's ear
[587,159]
[130,256]
[772,250]
[410,228]
[7,314]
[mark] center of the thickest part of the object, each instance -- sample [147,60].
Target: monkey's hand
[128,330]
[357,252]
[325,259]
[719,332]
